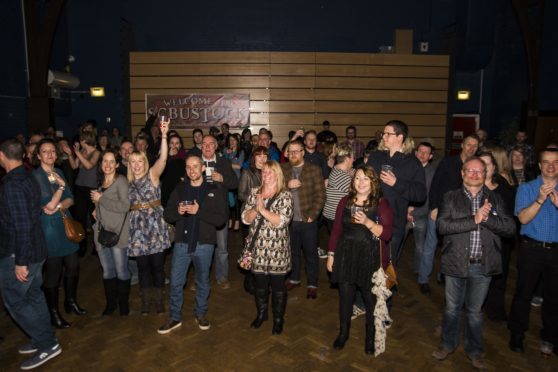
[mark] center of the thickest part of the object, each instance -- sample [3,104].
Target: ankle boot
[110,295]
[145,294]
[343,336]
[261,296]
[369,346]
[123,296]
[71,305]
[159,300]
[278,305]
[51,296]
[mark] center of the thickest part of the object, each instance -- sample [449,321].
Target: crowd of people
[138,199]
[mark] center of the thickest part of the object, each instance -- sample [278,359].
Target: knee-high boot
[278,305]
[111,294]
[70,304]
[343,336]
[123,296]
[51,296]
[262,298]
[145,294]
[159,300]
[369,347]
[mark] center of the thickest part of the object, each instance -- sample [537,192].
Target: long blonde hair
[503,162]
[407,147]
[137,155]
[276,168]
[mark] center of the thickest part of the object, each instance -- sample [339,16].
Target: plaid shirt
[21,234]
[476,248]
[312,193]
[358,148]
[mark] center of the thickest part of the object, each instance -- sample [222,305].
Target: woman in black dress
[363,225]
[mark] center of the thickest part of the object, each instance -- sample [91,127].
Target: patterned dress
[148,229]
[272,252]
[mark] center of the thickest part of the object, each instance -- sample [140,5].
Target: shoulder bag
[108,239]
[73,229]
[390,269]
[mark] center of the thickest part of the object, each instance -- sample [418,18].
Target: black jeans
[533,262]
[53,269]
[304,235]
[151,271]
[495,304]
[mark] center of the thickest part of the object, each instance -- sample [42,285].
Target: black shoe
[262,298]
[51,296]
[424,288]
[71,305]
[369,346]
[340,341]
[278,305]
[516,343]
[123,296]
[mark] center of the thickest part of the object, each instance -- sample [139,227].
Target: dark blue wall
[92,32]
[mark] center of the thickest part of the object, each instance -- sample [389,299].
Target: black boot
[278,305]
[51,296]
[369,347]
[145,294]
[111,293]
[71,305]
[159,300]
[261,296]
[123,296]
[343,336]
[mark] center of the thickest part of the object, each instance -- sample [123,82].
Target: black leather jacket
[456,221]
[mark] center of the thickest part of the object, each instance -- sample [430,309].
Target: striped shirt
[337,187]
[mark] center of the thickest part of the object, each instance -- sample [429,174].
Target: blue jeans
[114,262]
[181,259]
[470,291]
[26,302]
[428,251]
[419,234]
[304,235]
[222,254]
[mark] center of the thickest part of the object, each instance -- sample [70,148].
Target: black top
[20,211]
[447,178]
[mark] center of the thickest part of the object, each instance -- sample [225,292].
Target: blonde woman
[149,237]
[503,163]
[268,211]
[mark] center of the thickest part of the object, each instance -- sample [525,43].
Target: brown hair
[375,192]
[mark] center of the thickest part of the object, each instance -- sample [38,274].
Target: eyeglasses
[389,134]
[474,171]
[294,151]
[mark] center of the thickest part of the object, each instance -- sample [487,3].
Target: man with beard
[306,183]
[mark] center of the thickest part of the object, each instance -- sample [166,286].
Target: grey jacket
[456,221]
[111,209]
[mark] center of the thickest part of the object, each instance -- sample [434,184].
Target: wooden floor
[132,344]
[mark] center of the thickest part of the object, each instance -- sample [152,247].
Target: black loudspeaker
[475,28]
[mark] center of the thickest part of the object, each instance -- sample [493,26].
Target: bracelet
[61,187]
[59,206]
[538,202]
[330,254]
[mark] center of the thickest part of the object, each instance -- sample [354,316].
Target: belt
[475,260]
[539,243]
[151,204]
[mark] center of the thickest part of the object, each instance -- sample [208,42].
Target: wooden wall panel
[289,90]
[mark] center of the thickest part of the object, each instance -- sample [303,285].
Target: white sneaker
[357,311]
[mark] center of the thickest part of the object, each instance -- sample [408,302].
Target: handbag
[245,260]
[108,239]
[389,270]
[73,229]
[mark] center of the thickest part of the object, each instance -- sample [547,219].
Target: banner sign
[188,111]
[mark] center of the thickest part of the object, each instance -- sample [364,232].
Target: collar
[214,159]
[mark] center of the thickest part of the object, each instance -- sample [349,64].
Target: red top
[386,220]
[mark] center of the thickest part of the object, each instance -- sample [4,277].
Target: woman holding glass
[149,236]
[235,154]
[62,253]
[362,226]
[268,211]
[111,213]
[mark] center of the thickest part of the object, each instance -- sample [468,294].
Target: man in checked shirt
[471,219]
